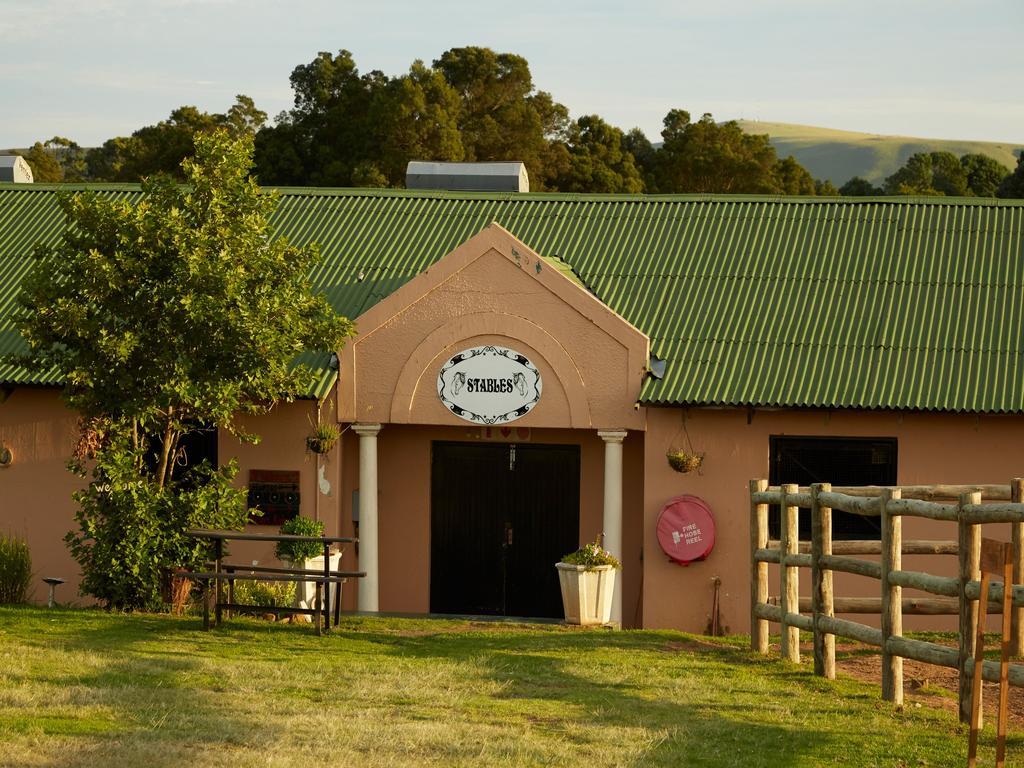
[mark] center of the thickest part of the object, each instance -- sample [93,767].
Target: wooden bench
[229,572]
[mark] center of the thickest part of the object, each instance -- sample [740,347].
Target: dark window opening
[193,449]
[835,460]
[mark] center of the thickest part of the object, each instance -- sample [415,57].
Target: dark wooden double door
[501,517]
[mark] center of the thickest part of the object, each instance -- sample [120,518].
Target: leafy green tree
[472,104]
[328,131]
[281,153]
[793,179]
[161,148]
[502,117]
[708,157]
[598,162]
[71,156]
[929,173]
[57,160]
[914,177]
[644,155]
[858,187]
[164,318]
[554,155]
[368,174]
[107,162]
[414,117]
[1013,184]
[45,167]
[243,119]
[825,188]
[984,174]
[948,175]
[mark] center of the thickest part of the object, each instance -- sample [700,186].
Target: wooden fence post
[822,603]
[1017,531]
[758,571]
[789,595]
[892,598]
[969,540]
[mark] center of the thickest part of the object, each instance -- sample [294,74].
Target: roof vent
[15,168]
[468,177]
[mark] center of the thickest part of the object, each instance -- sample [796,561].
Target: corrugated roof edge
[595,197]
[766,406]
[323,387]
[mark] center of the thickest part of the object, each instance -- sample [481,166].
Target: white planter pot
[587,594]
[305,592]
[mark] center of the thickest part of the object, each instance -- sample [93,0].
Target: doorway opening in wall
[502,515]
[836,460]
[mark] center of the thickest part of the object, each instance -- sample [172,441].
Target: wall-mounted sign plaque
[489,385]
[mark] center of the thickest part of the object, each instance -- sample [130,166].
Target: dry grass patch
[86,688]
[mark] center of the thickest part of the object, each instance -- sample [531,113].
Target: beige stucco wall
[35,491]
[493,290]
[282,446]
[932,448]
[404,460]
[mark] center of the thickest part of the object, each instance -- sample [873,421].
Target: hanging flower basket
[323,438]
[683,461]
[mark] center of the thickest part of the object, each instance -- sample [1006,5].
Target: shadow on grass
[734,719]
[745,722]
[535,667]
[133,703]
[692,731]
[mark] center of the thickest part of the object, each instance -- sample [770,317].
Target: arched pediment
[494,290]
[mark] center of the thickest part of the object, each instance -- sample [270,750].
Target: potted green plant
[587,578]
[324,436]
[306,555]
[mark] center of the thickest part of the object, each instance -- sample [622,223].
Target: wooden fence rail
[960,504]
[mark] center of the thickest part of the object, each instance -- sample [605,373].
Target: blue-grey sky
[92,69]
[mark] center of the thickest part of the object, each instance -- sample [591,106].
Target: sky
[92,69]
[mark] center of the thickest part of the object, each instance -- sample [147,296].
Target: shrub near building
[15,570]
[166,318]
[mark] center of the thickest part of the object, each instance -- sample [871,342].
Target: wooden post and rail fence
[964,506]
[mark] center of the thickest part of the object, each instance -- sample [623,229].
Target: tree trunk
[162,472]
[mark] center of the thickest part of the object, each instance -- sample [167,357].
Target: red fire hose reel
[686,529]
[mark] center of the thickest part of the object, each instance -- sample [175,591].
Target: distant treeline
[472,104]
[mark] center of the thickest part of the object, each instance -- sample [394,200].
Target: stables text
[488,385]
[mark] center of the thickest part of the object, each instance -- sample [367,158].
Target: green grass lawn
[82,687]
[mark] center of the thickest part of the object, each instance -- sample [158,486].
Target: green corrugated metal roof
[906,303]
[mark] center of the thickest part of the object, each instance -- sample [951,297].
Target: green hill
[840,155]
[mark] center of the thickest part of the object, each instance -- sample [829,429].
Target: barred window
[838,460]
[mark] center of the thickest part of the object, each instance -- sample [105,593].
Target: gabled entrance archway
[492,294]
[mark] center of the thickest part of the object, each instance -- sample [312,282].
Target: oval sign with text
[489,385]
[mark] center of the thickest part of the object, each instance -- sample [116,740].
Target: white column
[613,507]
[369,585]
